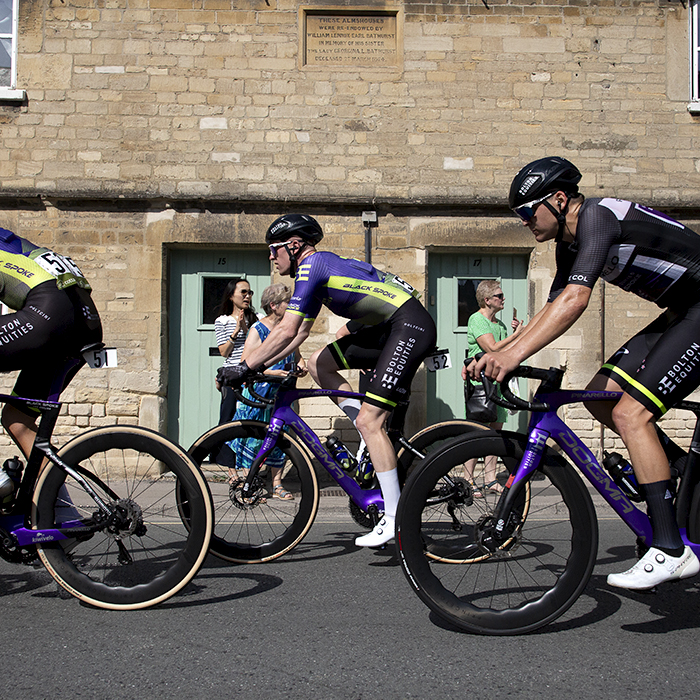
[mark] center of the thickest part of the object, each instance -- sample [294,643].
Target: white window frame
[694,42]
[11,92]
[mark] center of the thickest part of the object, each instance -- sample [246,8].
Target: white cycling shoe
[382,533]
[656,567]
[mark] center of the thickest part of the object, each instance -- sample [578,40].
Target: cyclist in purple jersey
[393,335]
[649,254]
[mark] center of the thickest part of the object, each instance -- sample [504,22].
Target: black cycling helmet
[537,181]
[542,178]
[301,225]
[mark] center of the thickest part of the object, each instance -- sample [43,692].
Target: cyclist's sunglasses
[500,296]
[274,246]
[527,211]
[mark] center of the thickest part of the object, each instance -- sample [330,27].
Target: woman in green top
[486,333]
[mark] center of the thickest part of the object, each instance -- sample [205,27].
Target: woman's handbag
[479,407]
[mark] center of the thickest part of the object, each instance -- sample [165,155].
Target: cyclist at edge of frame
[649,254]
[394,335]
[55,317]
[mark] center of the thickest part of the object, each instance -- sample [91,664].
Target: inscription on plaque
[351,39]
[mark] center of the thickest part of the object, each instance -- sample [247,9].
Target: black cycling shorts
[394,349]
[660,365]
[51,328]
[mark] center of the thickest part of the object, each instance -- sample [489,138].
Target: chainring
[10,551]
[364,518]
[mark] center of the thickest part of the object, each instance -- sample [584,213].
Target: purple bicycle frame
[283,414]
[544,425]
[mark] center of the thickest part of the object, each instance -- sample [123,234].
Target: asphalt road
[334,621]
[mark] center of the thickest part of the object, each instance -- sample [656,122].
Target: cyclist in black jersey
[649,254]
[54,318]
[392,333]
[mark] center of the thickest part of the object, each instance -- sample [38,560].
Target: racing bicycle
[102,513]
[525,564]
[251,525]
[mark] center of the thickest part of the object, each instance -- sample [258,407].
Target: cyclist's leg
[52,326]
[625,361]
[24,335]
[668,373]
[20,427]
[360,349]
[411,338]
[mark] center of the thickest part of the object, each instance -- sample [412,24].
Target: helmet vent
[528,183]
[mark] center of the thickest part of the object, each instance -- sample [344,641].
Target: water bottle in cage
[341,455]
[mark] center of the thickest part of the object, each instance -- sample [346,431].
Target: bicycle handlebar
[551,380]
[260,377]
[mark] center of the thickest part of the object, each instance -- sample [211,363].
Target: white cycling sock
[389,484]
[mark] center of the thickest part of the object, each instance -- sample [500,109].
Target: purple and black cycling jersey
[392,332]
[349,288]
[635,248]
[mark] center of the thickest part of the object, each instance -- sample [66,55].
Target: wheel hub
[256,496]
[126,519]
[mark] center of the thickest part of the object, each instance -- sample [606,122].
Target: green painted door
[452,282]
[197,280]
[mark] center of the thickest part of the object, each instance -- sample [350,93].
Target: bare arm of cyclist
[284,338]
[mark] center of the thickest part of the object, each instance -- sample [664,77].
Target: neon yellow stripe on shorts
[374,397]
[636,385]
[340,355]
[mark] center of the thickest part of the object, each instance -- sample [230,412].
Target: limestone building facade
[155,140]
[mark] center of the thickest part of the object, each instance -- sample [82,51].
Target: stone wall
[140,112]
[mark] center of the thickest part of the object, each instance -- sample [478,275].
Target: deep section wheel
[258,526]
[139,553]
[476,578]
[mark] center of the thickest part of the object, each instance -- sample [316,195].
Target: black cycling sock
[662,514]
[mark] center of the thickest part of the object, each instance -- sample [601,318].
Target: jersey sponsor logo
[303,273]
[680,370]
[360,287]
[578,278]
[19,270]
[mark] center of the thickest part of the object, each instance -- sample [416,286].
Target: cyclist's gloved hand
[233,376]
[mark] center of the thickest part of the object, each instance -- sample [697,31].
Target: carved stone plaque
[346,38]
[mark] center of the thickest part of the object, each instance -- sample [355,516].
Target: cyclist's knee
[629,415]
[370,419]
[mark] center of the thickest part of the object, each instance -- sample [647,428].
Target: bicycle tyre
[135,465]
[264,528]
[524,584]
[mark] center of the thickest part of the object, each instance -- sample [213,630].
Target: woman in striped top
[236,316]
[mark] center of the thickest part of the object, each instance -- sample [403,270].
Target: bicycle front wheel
[141,554]
[261,526]
[512,585]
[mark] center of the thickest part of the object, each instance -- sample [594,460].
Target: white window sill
[9,95]
[694,107]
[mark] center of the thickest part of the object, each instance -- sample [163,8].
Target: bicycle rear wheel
[259,527]
[521,582]
[142,554]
